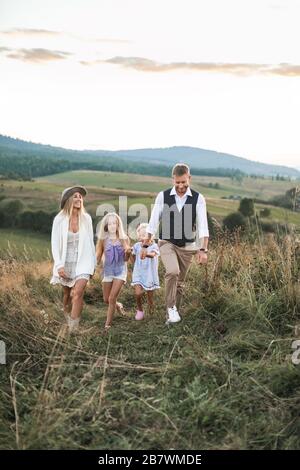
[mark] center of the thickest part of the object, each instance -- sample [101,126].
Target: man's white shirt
[201,215]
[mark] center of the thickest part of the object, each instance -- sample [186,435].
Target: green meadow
[24,245]
[249,187]
[104,187]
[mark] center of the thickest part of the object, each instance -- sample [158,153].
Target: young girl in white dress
[145,271]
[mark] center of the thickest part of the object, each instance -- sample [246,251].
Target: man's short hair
[180,169]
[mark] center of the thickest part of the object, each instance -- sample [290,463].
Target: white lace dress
[70,263]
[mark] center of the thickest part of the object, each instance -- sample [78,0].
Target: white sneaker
[173,315]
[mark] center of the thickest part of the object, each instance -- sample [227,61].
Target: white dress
[70,263]
[145,271]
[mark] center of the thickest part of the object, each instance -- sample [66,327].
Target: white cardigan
[86,261]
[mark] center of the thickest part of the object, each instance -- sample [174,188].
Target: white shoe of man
[173,315]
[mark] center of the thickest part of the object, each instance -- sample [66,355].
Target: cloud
[16,32]
[5,49]
[113,40]
[37,55]
[91,62]
[241,69]
[29,32]
[287,70]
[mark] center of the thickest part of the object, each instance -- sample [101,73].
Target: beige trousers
[176,261]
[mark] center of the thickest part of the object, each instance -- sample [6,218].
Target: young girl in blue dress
[145,271]
[114,248]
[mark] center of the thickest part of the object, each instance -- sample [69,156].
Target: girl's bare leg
[150,300]
[117,285]
[139,293]
[106,288]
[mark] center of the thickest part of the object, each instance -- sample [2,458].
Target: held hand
[62,273]
[127,253]
[143,253]
[201,257]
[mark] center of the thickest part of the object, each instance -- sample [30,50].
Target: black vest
[178,227]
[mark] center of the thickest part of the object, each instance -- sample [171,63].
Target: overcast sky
[118,74]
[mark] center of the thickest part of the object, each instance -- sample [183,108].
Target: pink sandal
[139,315]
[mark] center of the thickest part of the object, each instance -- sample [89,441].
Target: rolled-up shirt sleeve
[202,224]
[156,214]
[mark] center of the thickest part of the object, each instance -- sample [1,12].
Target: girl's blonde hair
[102,233]
[143,226]
[103,230]
[68,207]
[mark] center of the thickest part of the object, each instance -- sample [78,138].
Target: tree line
[29,164]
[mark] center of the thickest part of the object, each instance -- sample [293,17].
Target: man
[183,233]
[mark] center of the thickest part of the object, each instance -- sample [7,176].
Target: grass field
[44,193]
[223,378]
[24,245]
[260,188]
[101,179]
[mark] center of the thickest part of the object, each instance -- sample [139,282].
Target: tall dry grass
[223,378]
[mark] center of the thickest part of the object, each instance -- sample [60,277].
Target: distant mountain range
[201,158]
[197,158]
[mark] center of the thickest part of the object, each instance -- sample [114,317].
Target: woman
[73,251]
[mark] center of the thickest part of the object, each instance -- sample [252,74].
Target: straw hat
[68,192]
